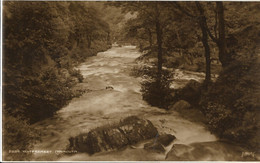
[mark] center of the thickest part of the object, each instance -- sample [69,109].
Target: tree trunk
[222,45]
[206,48]
[89,41]
[150,38]
[108,38]
[159,42]
[180,43]
[203,27]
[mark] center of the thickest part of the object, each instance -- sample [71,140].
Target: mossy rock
[108,138]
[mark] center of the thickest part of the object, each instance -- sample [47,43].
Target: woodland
[43,42]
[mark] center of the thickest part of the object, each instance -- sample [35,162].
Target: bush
[156,91]
[219,118]
[231,104]
[191,93]
[17,135]
[37,97]
[77,74]
[139,70]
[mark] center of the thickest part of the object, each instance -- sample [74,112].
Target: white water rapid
[99,106]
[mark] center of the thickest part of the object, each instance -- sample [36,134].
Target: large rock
[191,92]
[159,143]
[193,85]
[208,151]
[179,152]
[166,139]
[180,105]
[107,138]
[154,147]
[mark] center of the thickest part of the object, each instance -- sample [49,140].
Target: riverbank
[218,118]
[228,104]
[39,96]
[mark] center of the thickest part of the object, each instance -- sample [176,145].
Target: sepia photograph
[130,80]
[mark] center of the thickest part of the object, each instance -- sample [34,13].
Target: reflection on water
[101,106]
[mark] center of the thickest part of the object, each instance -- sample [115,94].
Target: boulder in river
[136,129]
[154,147]
[179,152]
[109,87]
[207,151]
[158,144]
[107,138]
[191,92]
[181,105]
[166,139]
[193,85]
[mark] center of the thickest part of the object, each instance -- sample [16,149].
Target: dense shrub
[191,92]
[232,103]
[156,91]
[139,70]
[18,135]
[38,97]
[77,74]
[43,41]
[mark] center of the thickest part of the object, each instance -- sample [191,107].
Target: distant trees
[150,21]
[200,19]
[214,24]
[159,20]
[88,24]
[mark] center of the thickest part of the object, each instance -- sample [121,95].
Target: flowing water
[113,94]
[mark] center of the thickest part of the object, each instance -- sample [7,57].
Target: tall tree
[156,16]
[199,18]
[220,34]
[158,26]
[203,27]
[223,55]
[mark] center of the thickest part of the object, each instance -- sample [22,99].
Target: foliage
[231,104]
[42,42]
[17,130]
[40,35]
[190,93]
[233,114]
[77,74]
[38,97]
[156,91]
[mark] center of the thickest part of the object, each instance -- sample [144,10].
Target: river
[101,104]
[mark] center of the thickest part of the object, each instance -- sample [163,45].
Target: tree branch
[210,34]
[201,10]
[136,5]
[216,23]
[183,10]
